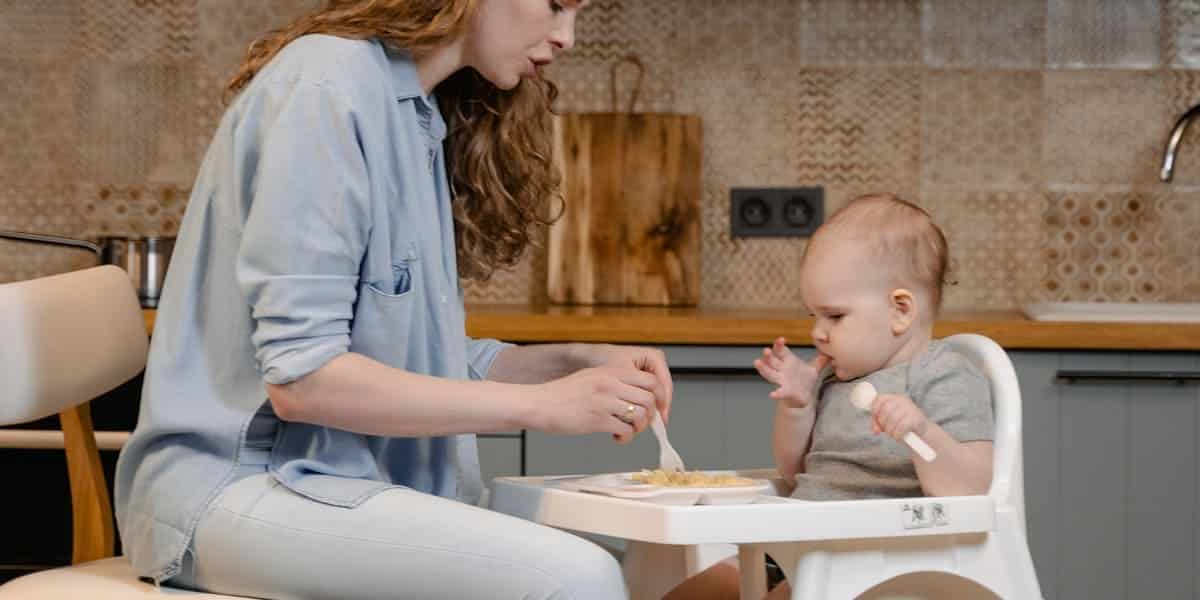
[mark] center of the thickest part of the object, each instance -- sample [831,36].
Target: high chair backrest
[1007,488]
[67,339]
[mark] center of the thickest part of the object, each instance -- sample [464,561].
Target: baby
[872,278]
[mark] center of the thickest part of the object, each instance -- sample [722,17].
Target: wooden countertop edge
[518,323]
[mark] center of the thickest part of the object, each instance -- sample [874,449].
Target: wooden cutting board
[630,231]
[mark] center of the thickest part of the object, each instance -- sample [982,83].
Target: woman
[311,395]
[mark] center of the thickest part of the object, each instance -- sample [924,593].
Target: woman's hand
[897,416]
[649,360]
[797,380]
[616,400]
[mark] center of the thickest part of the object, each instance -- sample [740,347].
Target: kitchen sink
[1128,312]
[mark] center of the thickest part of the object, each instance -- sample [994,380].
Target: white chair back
[1007,488]
[67,339]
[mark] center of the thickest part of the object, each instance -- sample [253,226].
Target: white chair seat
[107,579]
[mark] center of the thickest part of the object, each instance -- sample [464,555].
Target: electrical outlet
[776,212]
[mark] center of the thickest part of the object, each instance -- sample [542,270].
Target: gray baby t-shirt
[846,461]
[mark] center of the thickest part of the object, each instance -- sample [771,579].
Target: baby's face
[847,291]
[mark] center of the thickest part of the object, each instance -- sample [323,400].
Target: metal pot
[144,258]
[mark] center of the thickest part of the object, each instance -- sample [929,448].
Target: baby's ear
[903,310]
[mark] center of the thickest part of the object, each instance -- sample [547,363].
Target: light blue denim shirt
[320,223]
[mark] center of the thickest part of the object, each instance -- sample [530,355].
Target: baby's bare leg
[783,591]
[718,582]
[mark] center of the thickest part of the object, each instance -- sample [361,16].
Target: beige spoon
[863,396]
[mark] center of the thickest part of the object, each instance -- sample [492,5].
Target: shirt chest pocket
[388,317]
[404,266]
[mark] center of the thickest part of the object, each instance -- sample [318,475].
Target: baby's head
[872,277]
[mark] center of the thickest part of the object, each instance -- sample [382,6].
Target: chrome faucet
[1168,165]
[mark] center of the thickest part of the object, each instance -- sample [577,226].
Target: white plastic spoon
[863,396]
[668,458]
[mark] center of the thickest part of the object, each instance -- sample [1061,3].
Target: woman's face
[508,39]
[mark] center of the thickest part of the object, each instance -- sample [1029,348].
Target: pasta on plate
[689,478]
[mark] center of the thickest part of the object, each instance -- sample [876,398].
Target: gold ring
[627,416]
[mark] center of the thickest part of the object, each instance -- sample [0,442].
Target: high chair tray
[764,518]
[623,485]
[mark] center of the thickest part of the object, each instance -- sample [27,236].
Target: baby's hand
[896,416]
[796,379]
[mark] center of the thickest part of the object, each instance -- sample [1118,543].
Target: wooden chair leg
[91,511]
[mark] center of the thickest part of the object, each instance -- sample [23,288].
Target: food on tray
[689,479]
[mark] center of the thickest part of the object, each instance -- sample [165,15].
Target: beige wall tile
[985,33]
[860,32]
[1178,240]
[858,126]
[749,127]
[1103,127]
[150,210]
[40,123]
[525,282]
[225,28]
[611,30]
[44,31]
[1108,246]
[131,132]
[1182,22]
[982,129]
[48,209]
[135,31]
[1120,34]
[722,34]
[995,239]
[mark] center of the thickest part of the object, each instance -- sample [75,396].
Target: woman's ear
[903,310]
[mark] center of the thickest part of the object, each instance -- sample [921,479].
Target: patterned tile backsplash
[1032,129]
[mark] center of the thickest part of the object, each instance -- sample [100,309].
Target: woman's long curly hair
[499,145]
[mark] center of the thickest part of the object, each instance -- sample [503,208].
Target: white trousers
[265,541]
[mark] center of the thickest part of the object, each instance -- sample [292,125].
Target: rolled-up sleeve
[305,232]
[481,354]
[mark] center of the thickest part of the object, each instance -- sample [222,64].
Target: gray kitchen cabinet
[499,455]
[1111,473]
[748,416]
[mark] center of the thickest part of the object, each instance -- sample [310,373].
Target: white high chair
[875,544]
[842,549]
[67,339]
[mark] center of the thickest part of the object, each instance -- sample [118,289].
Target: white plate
[622,485]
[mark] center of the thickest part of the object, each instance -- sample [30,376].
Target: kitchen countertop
[716,326]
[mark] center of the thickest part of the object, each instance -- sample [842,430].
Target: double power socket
[776,212]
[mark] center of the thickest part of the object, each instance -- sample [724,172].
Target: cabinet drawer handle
[1094,376]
